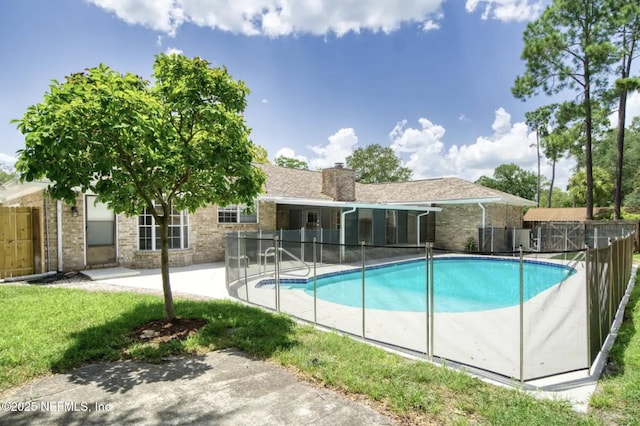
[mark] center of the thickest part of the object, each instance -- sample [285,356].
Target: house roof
[446,190]
[572,214]
[293,183]
[287,183]
[307,184]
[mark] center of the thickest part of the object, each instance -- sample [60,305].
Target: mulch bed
[160,331]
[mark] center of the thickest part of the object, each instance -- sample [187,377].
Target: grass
[618,395]
[49,330]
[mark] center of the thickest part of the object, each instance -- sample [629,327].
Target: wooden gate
[19,240]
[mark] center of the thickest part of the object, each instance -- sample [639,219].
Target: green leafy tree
[260,155]
[557,142]
[376,164]
[602,187]
[5,177]
[291,163]
[626,37]
[569,48]
[559,198]
[606,153]
[180,142]
[539,121]
[512,179]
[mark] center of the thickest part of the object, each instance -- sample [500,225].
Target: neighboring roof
[570,214]
[447,190]
[13,189]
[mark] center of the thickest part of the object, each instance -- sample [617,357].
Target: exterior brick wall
[127,235]
[73,235]
[206,238]
[456,223]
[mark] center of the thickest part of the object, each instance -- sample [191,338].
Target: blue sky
[430,78]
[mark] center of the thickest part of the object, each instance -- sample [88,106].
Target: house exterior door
[100,227]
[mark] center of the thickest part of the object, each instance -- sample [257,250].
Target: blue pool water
[461,284]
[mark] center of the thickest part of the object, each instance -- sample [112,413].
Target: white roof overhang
[348,204]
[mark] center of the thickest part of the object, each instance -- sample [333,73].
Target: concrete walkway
[222,388]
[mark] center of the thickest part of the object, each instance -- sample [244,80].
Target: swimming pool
[461,284]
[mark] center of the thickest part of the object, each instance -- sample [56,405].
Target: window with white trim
[235,213]
[149,232]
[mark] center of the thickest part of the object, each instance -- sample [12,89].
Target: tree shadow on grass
[228,325]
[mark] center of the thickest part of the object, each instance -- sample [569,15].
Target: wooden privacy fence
[19,240]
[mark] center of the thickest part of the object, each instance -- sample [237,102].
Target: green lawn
[48,330]
[618,394]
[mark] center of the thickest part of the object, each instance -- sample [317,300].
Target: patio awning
[348,204]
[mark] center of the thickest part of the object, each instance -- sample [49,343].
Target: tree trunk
[617,195]
[164,263]
[553,178]
[588,121]
[538,151]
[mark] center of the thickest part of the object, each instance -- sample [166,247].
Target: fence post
[426,299]
[238,254]
[597,280]
[315,285]
[587,267]
[539,239]
[302,236]
[611,283]
[492,246]
[432,299]
[363,294]
[521,315]
[246,265]
[276,271]
[321,243]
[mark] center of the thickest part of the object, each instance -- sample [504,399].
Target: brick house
[444,210]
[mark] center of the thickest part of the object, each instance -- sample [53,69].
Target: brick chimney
[339,183]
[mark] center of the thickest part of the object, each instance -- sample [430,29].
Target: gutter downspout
[418,226]
[343,216]
[484,221]
[46,232]
[59,224]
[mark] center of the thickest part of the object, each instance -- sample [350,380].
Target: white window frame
[238,210]
[184,227]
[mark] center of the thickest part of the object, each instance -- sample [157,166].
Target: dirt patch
[160,331]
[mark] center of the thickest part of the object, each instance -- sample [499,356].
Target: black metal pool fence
[559,330]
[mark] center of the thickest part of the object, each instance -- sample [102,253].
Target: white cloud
[507,10]
[290,153]
[7,158]
[159,40]
[160,15]
[341,145]
[278,17]
[430,25]
[264,100]
[173,50]
[425,153]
